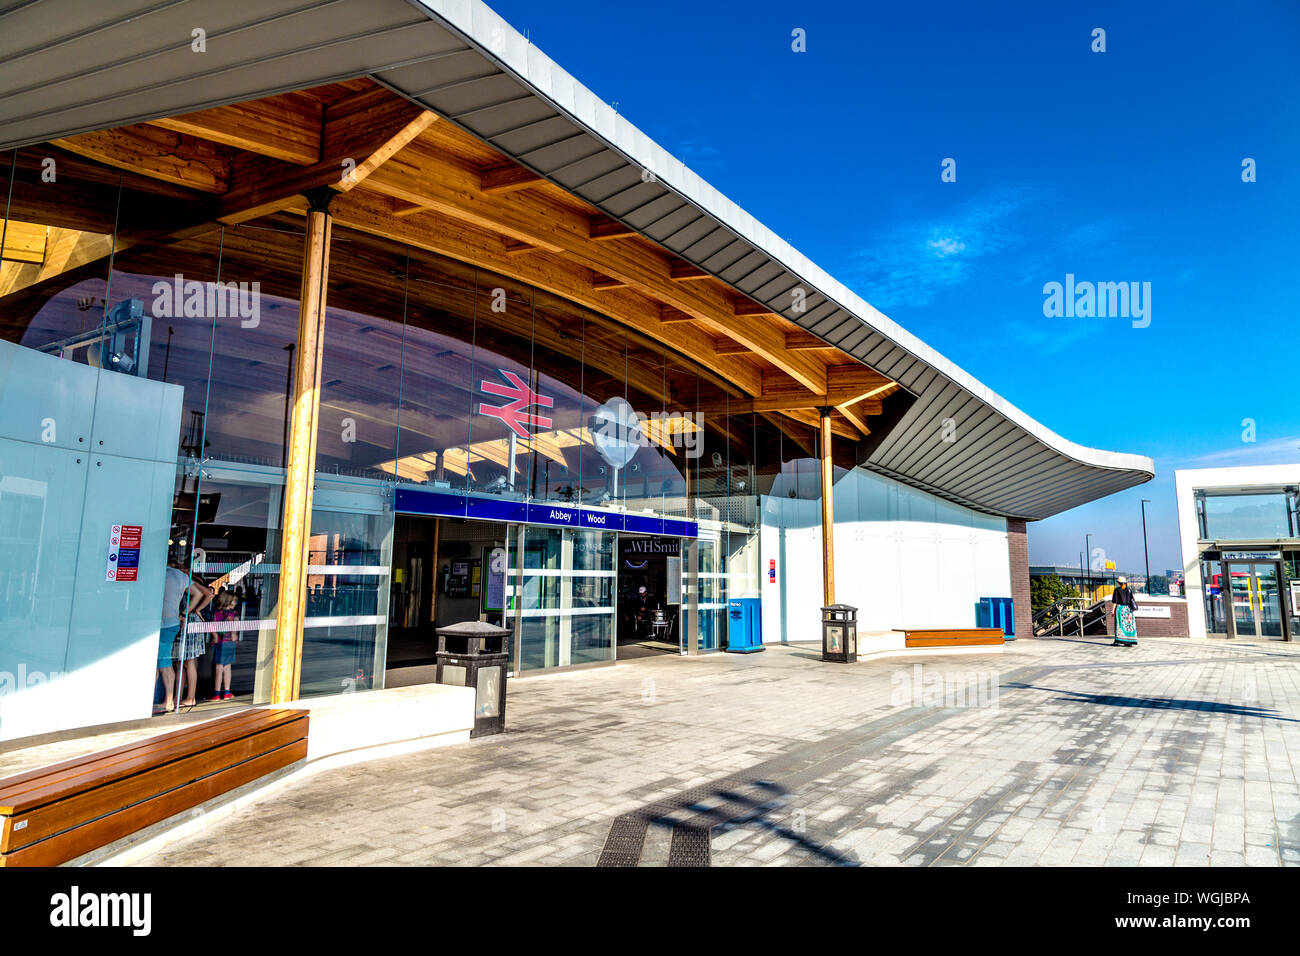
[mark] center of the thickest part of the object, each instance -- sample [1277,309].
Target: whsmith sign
[442,504]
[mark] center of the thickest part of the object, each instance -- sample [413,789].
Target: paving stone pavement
[1055,753]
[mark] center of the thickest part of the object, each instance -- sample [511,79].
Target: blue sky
[1117,166]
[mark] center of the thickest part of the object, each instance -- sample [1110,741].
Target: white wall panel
[904,558]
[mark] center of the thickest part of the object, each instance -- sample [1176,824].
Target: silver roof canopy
[70,66]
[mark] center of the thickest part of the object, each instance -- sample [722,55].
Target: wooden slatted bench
[57,813]
[955,637]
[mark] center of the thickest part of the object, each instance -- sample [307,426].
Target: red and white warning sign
[123,552]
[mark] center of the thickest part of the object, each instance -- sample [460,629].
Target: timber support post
[828,509]
[301,465]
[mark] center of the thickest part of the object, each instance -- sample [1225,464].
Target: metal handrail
[1059,614]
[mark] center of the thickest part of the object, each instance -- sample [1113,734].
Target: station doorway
[649,596]
[441,575]
[1254,593]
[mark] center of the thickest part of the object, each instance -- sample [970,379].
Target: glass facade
[436,377]
[1245,517]
[1248,561]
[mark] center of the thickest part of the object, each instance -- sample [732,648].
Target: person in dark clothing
[1125,607]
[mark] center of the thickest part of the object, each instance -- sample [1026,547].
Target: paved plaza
[1057,752]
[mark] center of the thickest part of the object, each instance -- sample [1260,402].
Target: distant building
[1093,584]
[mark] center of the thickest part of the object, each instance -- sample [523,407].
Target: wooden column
[296,534]
[688,551]
[828,510]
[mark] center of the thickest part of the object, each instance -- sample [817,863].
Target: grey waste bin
[475,654]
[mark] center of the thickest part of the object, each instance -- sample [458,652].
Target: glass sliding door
[565,595]
[1256,600]
[712,612]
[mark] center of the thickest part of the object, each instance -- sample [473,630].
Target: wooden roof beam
[798,340]
[606,227]
[859,422]
[847,384]
[356,144]
[810,416]
[176,158]
[425,174]
[729,346]
[668,315]
[681,271]
[285,127]
[549,272]
[745,306]
[782,403]
[507,179]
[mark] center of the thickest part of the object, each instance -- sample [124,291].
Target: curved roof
[133,60]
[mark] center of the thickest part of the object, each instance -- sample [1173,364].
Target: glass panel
[712,613]
[231,528]
[1269,600]
[504,412]
[361,370]
[567,597]
[560,439]
[645,477]
[58,201]
[1243,600]
[346,622]
[609,420]
[1213,578]
[227,301]
[593,601]
[437,367]
[1246,516]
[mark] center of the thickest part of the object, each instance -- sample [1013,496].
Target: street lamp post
[1087,555]
[1145,553]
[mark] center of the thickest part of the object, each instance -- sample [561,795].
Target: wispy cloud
[909,264]
[1279,451]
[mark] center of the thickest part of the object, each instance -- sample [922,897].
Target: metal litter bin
[840,633]
[475,654]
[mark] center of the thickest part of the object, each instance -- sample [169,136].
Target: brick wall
[1175,625]
[1018,551]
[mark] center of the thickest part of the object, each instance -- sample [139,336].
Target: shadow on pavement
[1157,703]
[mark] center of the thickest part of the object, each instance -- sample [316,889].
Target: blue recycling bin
[744,625]
[997,612]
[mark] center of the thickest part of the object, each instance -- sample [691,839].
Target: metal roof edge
[493,35]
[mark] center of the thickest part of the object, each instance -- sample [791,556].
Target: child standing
[223,645]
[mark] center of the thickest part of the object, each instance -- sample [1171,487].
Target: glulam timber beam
[507,178]
[176,158]
[606,227]
[285,127]
[812,418]
[371,213]
[745,306]
[427,174]
[729,346]
[802,341]
[858,421]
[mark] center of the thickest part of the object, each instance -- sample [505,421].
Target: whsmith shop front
[377,320]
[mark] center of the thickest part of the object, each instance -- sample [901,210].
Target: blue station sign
[447,505]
